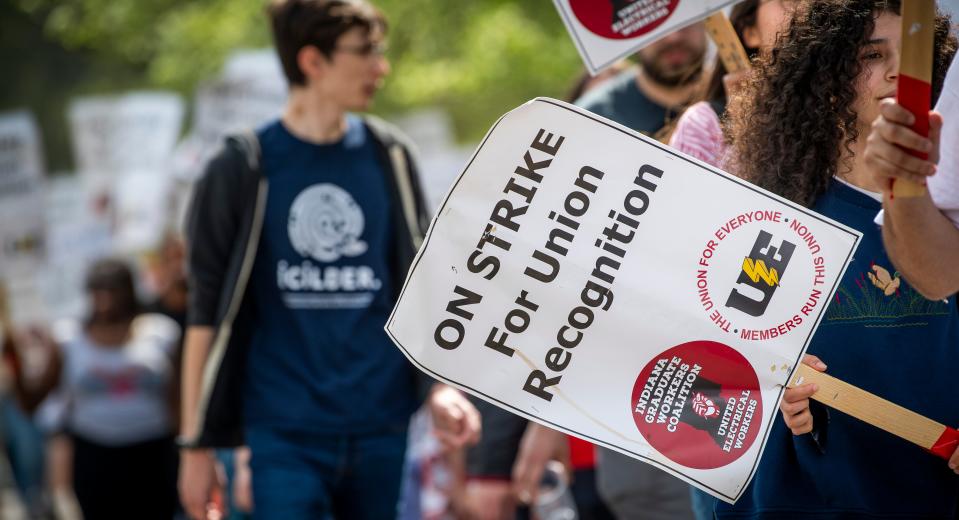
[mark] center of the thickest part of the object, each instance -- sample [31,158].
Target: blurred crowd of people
[256,378]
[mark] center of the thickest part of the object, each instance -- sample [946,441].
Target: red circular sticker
[698,404]
[622,19]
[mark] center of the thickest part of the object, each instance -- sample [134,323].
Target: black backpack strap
[249,144]
[401,152]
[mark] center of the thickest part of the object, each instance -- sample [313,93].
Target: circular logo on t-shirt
[698,404]
[326,223]
[622,19]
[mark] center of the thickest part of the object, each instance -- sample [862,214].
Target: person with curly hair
[798,128]
[698,131]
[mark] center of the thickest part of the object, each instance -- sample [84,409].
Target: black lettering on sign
[762,270]
[517,321]
[456,308]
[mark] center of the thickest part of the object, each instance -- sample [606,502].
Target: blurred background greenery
[475,59]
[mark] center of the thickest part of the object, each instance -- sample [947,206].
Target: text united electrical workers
[544,264]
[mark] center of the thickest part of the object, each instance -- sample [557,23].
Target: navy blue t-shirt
[320,360]
[880,335]
[621,100]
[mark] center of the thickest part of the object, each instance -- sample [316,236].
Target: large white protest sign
[21,193]
[606,31]
[601,283]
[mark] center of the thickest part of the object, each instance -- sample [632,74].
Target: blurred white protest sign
[76,237]
[143,210]
[606,31]
[119,141]
[250,92]
[21,194]
[598,282]
[116,134]
[124,147]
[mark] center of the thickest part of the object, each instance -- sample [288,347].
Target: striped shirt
[699,134]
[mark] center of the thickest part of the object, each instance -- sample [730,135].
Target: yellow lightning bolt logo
[757,269]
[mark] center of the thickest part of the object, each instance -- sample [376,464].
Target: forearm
[923,244]
[196,348]
[31,396]
[173,393]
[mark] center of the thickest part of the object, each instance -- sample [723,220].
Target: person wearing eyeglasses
[299,239]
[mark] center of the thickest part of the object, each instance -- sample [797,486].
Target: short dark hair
[116,276]
[320,23]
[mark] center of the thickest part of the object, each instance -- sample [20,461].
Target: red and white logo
[698,404]
[704,406]
[622,19]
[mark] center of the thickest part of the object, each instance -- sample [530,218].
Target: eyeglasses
[366,50]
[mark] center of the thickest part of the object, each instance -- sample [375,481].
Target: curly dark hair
[794,119]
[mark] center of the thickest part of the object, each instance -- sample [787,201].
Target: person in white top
[116,376]
[921,233]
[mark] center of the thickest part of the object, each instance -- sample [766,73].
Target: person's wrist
[197,456]
[190,445]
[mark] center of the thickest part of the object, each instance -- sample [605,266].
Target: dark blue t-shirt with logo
[320,360]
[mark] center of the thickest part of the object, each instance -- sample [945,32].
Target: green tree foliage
[476,59]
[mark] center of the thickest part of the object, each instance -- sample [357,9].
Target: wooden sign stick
[938,438]
[914,91]
[730,49]
[5,322]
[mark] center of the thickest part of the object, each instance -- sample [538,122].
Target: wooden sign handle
[914,91]
[5,322]
[870,408]
[730,49]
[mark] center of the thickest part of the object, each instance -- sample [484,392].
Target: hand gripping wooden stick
[730,49]
[872,409]
[914,91]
